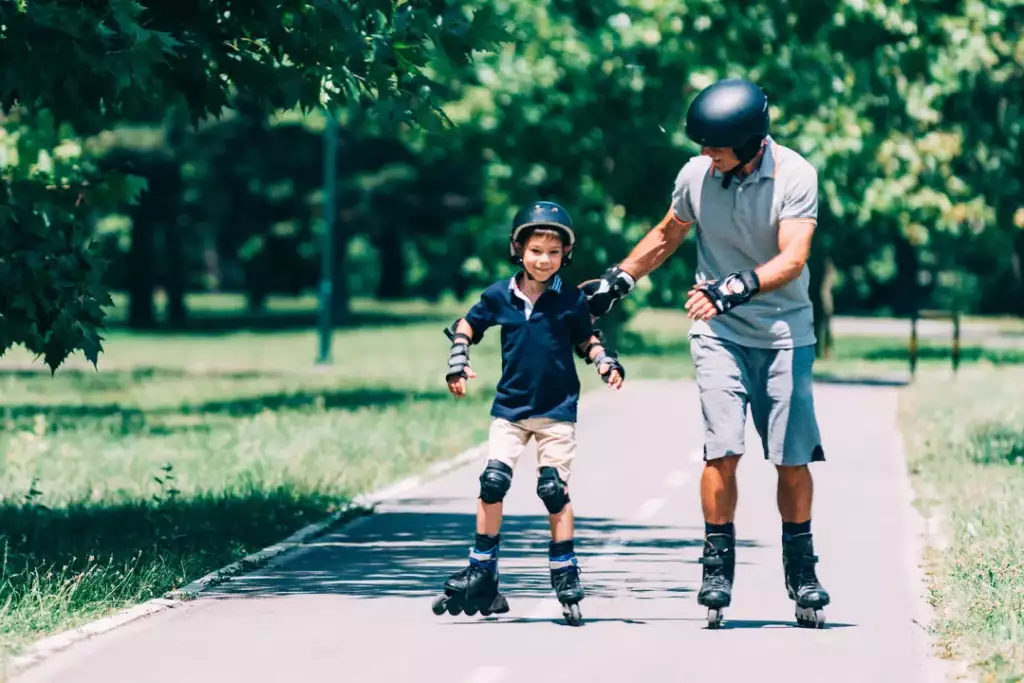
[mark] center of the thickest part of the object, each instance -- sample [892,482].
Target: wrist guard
[458,356]
[583,350]
[732,290]
[611,362]
[602,293]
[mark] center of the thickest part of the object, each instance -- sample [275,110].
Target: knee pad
[552,490]
[495,481]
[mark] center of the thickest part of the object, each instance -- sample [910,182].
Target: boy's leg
[556,450]
[505,444]
[475,587]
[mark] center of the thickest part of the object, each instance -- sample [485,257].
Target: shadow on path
[410,554]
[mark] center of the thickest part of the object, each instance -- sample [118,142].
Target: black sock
[726,528]
[560,548]
[485,543]
[791,529]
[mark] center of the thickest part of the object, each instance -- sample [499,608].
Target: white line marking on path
[487,674]
[676,479]
[649,509]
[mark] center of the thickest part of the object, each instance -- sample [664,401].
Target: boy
[543,322]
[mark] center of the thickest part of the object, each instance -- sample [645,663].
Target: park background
[266,214]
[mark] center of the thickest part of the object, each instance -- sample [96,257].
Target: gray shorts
[775,383]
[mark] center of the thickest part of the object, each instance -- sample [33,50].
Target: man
[754,203]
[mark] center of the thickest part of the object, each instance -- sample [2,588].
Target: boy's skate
[565,579]
[798,560]
[719,562]
[473,589]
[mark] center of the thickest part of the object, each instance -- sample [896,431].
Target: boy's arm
[464,332]
[591,348]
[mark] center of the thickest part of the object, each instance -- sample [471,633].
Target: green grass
[966,448]
[187,451]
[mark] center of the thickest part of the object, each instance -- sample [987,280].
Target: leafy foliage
[122,60]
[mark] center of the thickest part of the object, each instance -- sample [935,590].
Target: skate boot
[474,588]
[798,560]
[719,562]
[565,579]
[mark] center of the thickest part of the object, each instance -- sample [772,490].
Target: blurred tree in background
[210,122]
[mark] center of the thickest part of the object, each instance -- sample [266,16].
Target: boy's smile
[542,256]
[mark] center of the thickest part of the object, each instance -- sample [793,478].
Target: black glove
[732,290]
[613,364]
[602,293]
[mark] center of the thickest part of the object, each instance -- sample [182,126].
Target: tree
[124,60]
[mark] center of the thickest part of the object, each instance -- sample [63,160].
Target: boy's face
[542,256]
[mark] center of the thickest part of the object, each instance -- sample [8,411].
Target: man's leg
[786,418]
[722,377]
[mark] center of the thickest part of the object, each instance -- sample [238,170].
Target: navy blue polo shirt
[538,364]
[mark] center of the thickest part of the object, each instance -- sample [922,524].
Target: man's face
[723,158]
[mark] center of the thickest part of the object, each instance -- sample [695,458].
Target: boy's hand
[458,365]
[611,370]
[457,383]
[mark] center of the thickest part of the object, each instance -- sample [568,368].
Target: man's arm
[656,246]
[794,247]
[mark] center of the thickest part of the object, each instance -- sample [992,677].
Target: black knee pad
[552,490]
[495,481]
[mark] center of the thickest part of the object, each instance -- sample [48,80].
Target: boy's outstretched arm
[458,358]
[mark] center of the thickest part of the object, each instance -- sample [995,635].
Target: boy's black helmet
[541,215]
[730,113]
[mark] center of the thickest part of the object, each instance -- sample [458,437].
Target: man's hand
[602,293]
[711,297]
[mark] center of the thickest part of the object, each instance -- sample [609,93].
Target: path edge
[926,535]
[358,508]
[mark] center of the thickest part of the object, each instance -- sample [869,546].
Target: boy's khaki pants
[556,443]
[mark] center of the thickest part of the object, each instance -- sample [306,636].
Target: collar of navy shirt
[555,286]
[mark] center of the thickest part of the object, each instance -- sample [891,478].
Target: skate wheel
[714,618]
[498,606]
[439,604]
[484,612]
[572,614]
[470,610]
[808,617]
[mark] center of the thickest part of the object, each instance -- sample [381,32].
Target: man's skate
[471,590]
[798,560]
[719,562]
[565,579]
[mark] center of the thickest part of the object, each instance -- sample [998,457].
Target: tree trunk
[142,271]
[906,299]
[393,268]
[824,307]
[341,304]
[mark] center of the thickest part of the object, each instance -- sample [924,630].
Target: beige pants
[556,443]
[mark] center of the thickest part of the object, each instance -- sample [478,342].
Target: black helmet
[541,215]
[730,113]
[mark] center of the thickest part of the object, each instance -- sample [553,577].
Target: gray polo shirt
[738,228]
